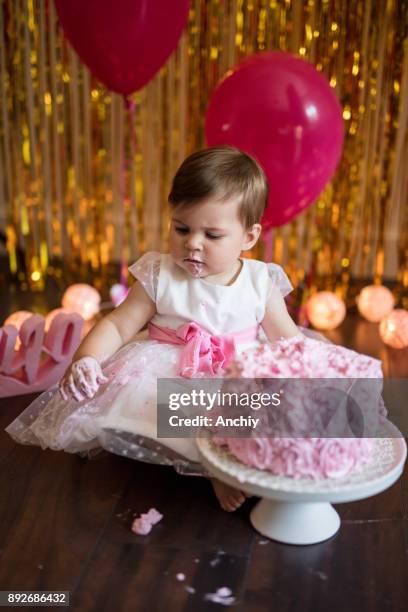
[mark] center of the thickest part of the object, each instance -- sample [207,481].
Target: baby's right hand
[82,379]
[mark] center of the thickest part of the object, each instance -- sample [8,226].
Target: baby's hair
[222,172]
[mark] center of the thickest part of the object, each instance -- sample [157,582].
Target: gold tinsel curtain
[84,178]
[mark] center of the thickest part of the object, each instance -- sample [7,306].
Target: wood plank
[192,515]
[145,578]
[195,538]
[363,567]
[10,408]
[384,506]
[54,507]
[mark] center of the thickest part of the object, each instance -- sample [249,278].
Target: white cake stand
[298,511]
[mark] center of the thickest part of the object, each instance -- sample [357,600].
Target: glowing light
[394,329]
[346,113]
[83,299]
[325,310]
[118,293]
[36,275]
[375,302]
[17,319]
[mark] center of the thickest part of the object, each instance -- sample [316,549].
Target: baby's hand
[82,379]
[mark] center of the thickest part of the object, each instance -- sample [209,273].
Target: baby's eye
[181,230]
[213,236]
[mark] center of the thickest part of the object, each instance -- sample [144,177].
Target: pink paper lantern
[18,318]
[394,329]
[325,310]
[118,293]
[82,299]
[375,302]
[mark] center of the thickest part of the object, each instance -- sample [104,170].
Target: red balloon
[282,111]
[123,42]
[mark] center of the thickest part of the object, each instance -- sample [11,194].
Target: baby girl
[203,303]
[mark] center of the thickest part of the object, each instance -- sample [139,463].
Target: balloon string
[268,242]
[126,171]
[131,108]
[123,280]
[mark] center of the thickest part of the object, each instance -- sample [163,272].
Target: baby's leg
[230,499]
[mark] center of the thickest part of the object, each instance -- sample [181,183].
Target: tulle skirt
[121,417]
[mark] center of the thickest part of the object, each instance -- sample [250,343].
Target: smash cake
[293,446]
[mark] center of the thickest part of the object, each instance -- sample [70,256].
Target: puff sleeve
[278,279]
[146,270]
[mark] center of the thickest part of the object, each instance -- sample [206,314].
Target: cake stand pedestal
[299,511]
[295,522]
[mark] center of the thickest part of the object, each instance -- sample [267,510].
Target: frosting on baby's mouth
[194,266]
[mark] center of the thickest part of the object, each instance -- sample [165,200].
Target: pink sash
[203,353]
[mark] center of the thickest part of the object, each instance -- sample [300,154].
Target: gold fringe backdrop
[84,177]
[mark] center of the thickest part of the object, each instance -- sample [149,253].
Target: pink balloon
[282,111]
[123,42]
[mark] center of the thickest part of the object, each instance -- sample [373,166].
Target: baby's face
[206,239]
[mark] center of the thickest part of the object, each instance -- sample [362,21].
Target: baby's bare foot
[230,499]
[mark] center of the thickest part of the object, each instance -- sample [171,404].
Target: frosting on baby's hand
[82,379]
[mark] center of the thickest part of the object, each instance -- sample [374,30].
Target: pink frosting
[301,357]
[222,596]
[309,457]
[143,525]
[313,458]
[84,379]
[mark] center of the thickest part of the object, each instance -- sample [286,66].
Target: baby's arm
[116,329]
[277,322]
[119,326]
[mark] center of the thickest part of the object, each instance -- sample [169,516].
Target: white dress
[122,416]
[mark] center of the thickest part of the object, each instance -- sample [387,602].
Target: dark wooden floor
[65,525]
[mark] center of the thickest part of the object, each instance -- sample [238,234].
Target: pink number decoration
[42,358]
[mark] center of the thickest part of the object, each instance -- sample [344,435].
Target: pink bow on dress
[204,353]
